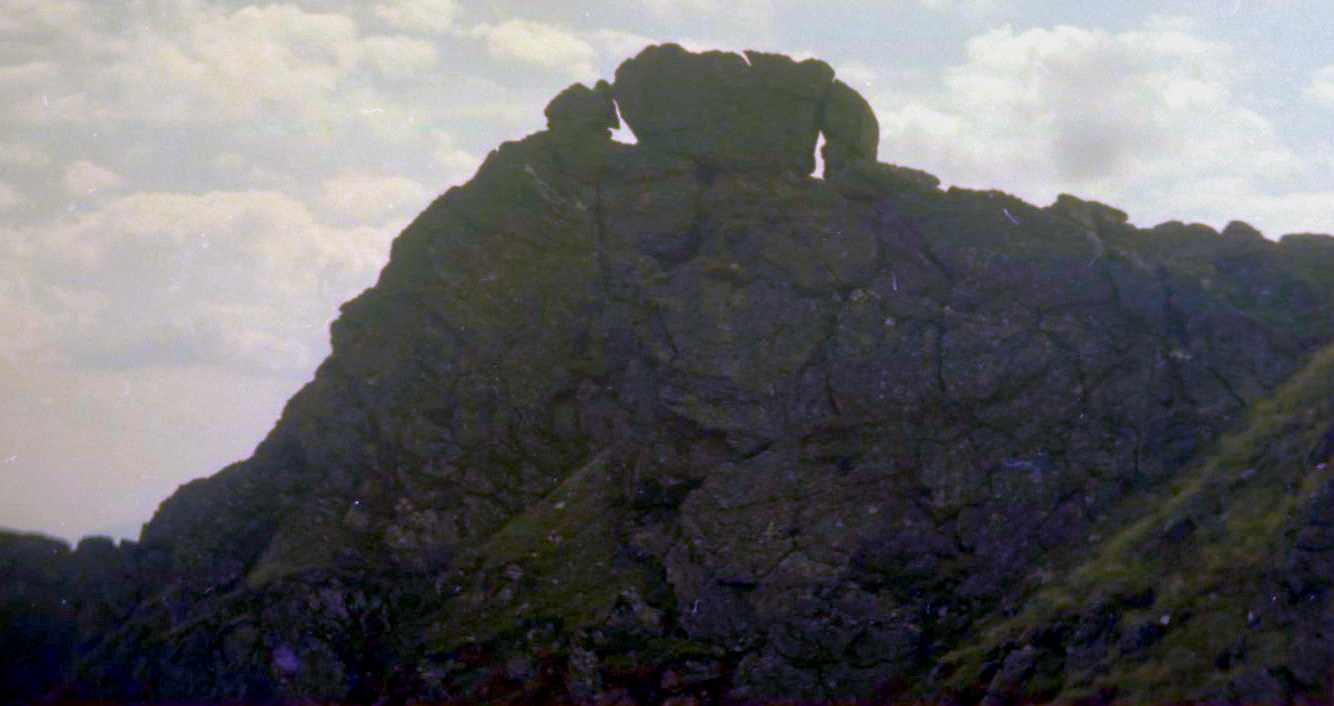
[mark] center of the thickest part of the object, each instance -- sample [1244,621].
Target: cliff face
[677,420]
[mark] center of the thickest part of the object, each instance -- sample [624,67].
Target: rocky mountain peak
[674,422]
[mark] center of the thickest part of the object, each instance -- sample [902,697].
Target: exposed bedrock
[677,422]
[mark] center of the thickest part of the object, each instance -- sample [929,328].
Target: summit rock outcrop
[733,111]
[676,422]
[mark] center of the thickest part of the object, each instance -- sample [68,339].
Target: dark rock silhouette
[583,109]
[722,109]
[678,422]
[852,134]
[54,603]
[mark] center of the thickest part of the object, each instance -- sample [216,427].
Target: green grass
[563,545]
[1242,499]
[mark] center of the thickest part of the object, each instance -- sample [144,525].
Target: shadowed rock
[852,134]
[723,109]
[580,109]
[1238,230]
[1089,214]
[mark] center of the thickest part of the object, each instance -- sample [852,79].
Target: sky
[190,188]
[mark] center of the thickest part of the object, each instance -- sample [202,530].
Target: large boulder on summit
[723,109]
[851,132]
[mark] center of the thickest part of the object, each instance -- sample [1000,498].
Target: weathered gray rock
[851,131]
[722,109]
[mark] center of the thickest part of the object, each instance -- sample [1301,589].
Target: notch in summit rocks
[727,110]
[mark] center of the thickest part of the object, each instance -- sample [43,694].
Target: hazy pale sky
[189,188]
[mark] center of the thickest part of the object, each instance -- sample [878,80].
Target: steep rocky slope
[679,421]
[1216,587]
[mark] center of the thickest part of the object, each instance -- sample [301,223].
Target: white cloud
[21,325]
[36,17]
[755,13]
[233,66]
[677,9]
[245,280]
[1118,116]
[20,154]
[418,15]
[968,7]
[458,165]
[229,162]
[1302,211]
[760,14]
[857,74]
[616,43]
[84,177]
[397,58]
[538,44]
[1320,88]
[28,75]
[201,63]
[10,197]
[567,51]
[370,198]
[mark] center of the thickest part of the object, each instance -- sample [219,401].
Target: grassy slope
[560,554]
[1236,509]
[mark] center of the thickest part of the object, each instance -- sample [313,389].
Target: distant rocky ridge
[679,423]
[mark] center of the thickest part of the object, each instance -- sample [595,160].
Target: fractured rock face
[723,109]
